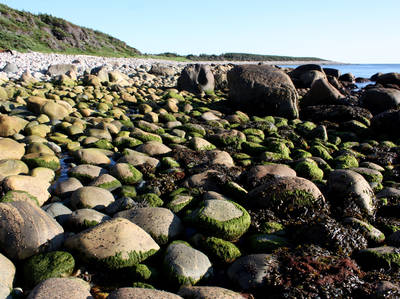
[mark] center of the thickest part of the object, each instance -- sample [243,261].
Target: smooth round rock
[25,229]
[160,223]
[71,288]
[204,292]
[140,293]
[184,264]
[153,148]
[7,274]
[85,218]
[115,244]
[91,197]
[11,149]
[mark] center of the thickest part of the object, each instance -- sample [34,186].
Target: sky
[350,31]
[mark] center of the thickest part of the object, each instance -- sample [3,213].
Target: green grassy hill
[23,31]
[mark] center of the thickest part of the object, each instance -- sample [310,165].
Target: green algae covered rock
[264,243]
[379,257]
[126,173]
[42,160]
[309,169]
[115,244]
[47,265]
[221,218]
[220,251]
[18,195]
[345,161]
[151,199]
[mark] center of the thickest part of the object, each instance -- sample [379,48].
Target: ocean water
[361,70]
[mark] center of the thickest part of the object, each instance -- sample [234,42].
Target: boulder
[256,173]
[263,90]
[25,230]
[321,93]
[335,113]
[388,78]
[60,69]
[10,67]
[162,70]
[11,149]
[185,265]
[71,288]
[160,223]
[115,244]
[35,186]
[378,100]
[10,125]
[349,191]
[12,167]
[141,293]
[196,78]
[91,197]
[202,292]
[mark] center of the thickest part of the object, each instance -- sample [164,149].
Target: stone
[86,172]
[388,78]
[221,218]
[25,230]
[263,90]
[217,157]
[153,148]
[60,69]
[160,223]
[141,293]
[288,197]
[115,244]
[378,100]
[184,265]
[65,188]
[10,68]
[7,274]
[91,197]
[126,173]
[34,160]
[335,113]
[11,149]
[250,272]
[387,122]
[73,288]
[162,70]
[107,182]
[10,125]
[258,172]
[200,144]
[35,186]
[347,187]
[136,158]
[84,218]
[12,167]
[92,156]
[56,111]
[379,257]
[196,78]
[373,234]
[202,292]
[58,211]
[321,93]
[47,265]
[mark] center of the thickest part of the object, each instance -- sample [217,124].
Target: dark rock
[378,100]
[335,113]
[388,78]
[387,123]
[305,68]
[321,93]
[348,77]
[263,90]
[162,70]
[332,72]
[196,78]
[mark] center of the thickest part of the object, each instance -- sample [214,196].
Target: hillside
[24,31]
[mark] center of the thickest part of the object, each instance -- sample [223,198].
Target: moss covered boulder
[379,257]
[46,265]
[221,218]
[115,244]
[42,160]
[309,169]
[107,182]
[126,173]
[184,265]
[220,251]
[288,197]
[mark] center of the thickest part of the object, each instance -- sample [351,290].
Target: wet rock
[185,265]
[126,173]
[115,244]
[379,257]
[59,287]
[27,230]
[263,90]
[92,156]
[107,182]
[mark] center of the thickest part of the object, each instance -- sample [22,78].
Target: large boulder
[141,293]
[388,78]
[196,78]
[321,93]
[10,125]
[25,230]
[263,90]
[378,100]
[162,70]
[387,123]
[72,288]
[7,274]
[11,149]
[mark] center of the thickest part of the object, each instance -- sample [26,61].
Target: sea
[361,70]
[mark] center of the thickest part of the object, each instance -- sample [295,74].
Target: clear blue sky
[354,31]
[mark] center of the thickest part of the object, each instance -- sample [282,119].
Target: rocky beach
[142,178]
